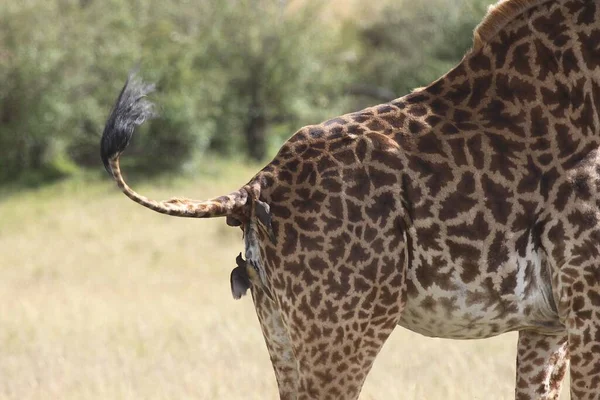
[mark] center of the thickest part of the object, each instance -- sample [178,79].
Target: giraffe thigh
[337,338]
[278,343]
[335,360]
[542,362]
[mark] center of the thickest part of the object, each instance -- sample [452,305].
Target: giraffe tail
[131,110]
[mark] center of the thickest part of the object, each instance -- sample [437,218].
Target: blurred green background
[235,77]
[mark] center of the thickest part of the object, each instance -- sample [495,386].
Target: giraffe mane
[498,16]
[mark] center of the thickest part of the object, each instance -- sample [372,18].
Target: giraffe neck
[541,66]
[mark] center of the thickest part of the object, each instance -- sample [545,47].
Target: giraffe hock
[132,109]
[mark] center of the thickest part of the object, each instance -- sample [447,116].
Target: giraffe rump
[132,109]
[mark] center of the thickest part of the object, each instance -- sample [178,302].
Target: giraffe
[462,210]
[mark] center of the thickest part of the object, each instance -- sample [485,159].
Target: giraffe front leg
[278,343]
[579,306]
[585,360]
[584,344]
[542,362]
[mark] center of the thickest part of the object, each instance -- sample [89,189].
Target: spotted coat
[463,210]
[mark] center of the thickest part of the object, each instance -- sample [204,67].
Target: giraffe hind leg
[337,333]
[278,343]
[335,352]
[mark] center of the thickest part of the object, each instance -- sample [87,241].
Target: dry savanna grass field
[103,299]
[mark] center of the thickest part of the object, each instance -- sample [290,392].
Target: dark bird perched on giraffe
[464,210]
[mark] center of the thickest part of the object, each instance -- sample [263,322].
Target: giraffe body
[453,317]
[463,210]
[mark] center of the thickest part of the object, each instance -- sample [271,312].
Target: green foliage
[412,43]
[234,76]
[220,67]
[274,71]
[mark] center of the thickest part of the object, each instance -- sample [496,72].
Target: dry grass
[102,299]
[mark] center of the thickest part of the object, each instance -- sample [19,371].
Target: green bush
[412,43]
[234,76]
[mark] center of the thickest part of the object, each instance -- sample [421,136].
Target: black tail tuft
[131,110]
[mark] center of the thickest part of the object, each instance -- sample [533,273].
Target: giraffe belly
[439,321]
[447,307]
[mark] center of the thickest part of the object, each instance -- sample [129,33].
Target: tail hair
[131,110]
